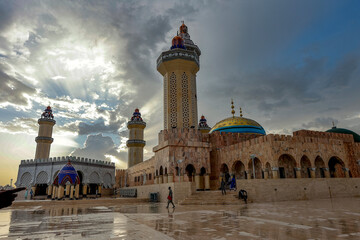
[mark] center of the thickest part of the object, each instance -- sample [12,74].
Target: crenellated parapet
[66,159]
[329,135]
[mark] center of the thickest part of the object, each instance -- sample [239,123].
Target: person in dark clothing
[243,195]
[222,187]
[170,198]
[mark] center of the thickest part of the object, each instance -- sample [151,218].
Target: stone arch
[190,172]
[336,167]
[94,178]
[319,167]
[287,165]
[238,169]
[166,172]
[202,171]
[25,179]
[42,178]
[305,165]
[258,169]
[161,171]
[268,170]
[156,173]
[224,172]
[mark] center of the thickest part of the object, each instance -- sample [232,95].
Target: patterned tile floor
[317,219]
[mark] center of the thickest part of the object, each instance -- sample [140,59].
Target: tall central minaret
[179,66]
[44,138]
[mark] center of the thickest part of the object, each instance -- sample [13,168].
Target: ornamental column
[179,66]
[136,141]
[44,138]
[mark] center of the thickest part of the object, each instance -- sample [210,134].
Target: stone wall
[181,190]
[260,190]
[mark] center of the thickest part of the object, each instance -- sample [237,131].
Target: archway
[258,169]
[166,171]
[319,167]
[224,172]
[305,165]
[336,167]
[190,172]
[81,177]
[287,165]
[156,173]
[238,169]
[41,184]
[161,170]
[202,177]
[268,169]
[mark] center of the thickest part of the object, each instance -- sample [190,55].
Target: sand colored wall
[180,190]
[260,190]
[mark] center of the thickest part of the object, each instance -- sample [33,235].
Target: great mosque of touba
[191,151]
[192,156]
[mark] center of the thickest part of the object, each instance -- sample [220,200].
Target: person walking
[31,194]
[222,187]
[26,194]
[233,183]
[170,198]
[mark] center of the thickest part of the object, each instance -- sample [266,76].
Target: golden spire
[241,112]
[232,107]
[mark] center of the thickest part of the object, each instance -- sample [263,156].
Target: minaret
[44,139]
[136,141]
[179,66]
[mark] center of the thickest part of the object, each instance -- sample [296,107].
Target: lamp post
[179,162]
[253,165]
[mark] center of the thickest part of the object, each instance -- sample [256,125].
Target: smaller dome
[183,28]
[136,115]
[67,174]
[177,42]
[345,131]
[47,113]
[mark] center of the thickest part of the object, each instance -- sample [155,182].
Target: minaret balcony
[136,124]
[44,139]
[47,121]
[178,53]
[135,143]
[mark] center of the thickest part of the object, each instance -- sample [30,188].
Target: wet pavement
[316,219]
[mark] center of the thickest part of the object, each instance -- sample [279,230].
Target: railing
[178,53]
[67,158]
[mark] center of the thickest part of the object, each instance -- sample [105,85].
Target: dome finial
[232,107]
[333,124]
[241,112]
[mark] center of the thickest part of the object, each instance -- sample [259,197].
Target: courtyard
[337,218]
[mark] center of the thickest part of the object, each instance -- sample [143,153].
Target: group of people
[231,182]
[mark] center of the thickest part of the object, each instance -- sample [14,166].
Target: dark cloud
[320,123]
[344,71]
[12,90]
[97,146]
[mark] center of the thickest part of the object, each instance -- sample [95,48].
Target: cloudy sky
[289,64]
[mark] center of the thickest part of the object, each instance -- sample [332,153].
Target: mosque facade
[191,151]
[63,177]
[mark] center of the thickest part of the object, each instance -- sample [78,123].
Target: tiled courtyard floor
[316,219]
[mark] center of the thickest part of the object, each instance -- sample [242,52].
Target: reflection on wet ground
[317,219]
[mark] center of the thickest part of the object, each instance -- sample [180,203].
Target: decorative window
[165,102]
[193,100]
[173,103]
[185,100]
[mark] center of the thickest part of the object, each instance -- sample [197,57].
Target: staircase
[212,198]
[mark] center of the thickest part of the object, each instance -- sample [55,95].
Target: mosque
[63,177]
[191,151]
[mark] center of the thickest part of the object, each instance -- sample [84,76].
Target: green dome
[345,131]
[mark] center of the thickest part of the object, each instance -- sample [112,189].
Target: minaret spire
[232,107]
